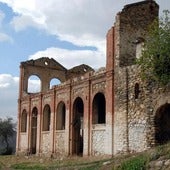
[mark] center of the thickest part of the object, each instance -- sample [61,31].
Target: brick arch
[162,125]
[77,126]
[99,109]
[46,117]
[34,83]
[60,116]
[24,121]
[54,81]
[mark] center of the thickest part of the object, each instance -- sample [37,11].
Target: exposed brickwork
[131,105]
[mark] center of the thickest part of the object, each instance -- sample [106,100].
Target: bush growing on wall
[155,59]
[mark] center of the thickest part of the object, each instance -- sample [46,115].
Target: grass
[28,166]
[80,166]
[44,163]
[141,161]
[134,163]
[138,161]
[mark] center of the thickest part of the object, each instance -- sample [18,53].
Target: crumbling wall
[134,20]
[130,115]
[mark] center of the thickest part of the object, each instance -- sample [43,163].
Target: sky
[72,32]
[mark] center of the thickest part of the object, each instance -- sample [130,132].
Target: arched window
[24,121]
[46,118]
[54,81]
[34,84]
[60,116]
[99,109]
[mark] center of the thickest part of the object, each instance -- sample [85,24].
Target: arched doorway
[99,109]
[162,124]
[34,130]
[77,127]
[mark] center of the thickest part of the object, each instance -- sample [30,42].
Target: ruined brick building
[102,112]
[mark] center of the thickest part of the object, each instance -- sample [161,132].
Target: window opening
[60,117]
[54,81]
[34,84]
[99,109]
[24,121]
[46,118]
[137,91]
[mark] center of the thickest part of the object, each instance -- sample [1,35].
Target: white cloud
[5,38]
[22,22]
[70,58]
[82,22]
[9,95]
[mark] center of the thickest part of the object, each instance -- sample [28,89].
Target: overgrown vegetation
[134,163]
[143,161]
[155,59]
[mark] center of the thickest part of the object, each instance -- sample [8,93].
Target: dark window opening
[99,109]
[60,117]
[137,91]
[24,121]
[46,118]
[34,131]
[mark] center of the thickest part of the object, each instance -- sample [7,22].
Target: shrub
[135,163]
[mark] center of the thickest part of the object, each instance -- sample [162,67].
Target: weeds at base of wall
[145,160]
[135,163]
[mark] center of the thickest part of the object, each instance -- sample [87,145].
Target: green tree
[6,133]
[155,59]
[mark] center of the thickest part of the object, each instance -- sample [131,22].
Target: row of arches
[60,117]
[99,113]
[34,84]
[98,117]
